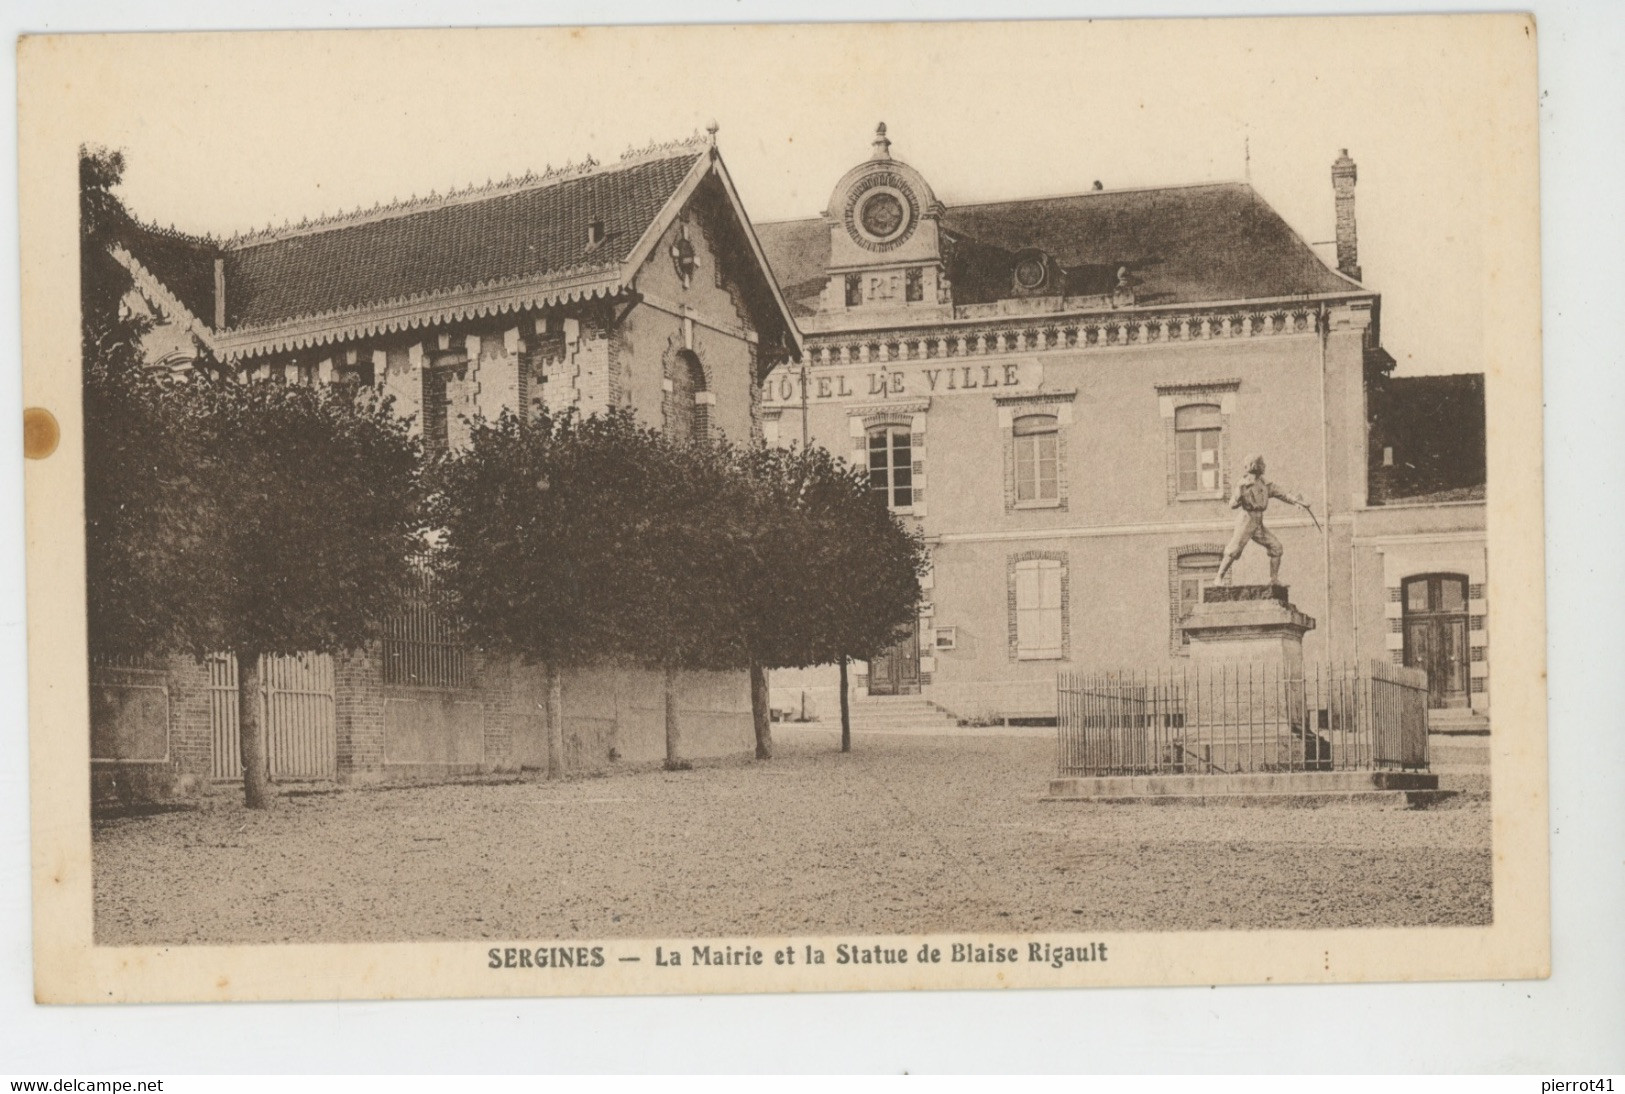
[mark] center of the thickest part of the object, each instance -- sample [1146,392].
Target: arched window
[688,414]
[1036,438]
[891,465]
[1197,428]
[1193,571]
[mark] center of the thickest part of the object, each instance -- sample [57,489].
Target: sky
[224,134]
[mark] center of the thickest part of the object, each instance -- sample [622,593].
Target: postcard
[783,508]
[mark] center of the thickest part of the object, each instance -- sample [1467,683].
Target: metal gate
[296,708]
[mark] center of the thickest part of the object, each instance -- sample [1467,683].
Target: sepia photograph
[592,525]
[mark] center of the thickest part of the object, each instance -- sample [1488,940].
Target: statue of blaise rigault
[1252,497]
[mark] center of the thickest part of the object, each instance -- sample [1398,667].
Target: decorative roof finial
[711,127]
[882,145]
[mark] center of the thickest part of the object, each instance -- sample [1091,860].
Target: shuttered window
[1038,610]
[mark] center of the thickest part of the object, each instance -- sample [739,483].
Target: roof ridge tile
[530,180]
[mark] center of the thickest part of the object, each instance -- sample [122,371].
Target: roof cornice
[406,313]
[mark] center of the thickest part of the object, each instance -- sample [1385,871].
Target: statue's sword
[1311,512]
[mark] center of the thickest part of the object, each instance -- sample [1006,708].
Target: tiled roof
[183,263]
[1181,245]
[477,238]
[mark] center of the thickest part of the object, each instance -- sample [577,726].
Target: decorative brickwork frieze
[756,433]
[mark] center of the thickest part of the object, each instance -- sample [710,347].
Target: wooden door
[896,670]
[1435,623]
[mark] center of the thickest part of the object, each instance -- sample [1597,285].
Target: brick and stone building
[1061,391]
[636,284]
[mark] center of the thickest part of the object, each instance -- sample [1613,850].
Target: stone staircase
[1459,749]
[897,714]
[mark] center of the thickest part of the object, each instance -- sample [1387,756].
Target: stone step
[897,719]
[1465,782]
[1474,754]
[1382,799]
[1454,721]
[882,723]
[1096,787]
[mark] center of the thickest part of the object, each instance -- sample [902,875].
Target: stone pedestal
[1248,623]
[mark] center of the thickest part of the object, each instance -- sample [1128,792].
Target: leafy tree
[517,555]
[569,540]
[110,333]
[258,517]
[685,555]
[307,534]
[823,571]
[143,501]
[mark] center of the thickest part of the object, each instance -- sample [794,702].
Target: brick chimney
[1348,250]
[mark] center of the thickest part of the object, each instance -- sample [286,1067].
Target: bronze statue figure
[1252,496]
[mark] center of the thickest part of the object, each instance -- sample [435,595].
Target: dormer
[885,256]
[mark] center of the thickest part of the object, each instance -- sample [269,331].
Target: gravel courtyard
[906,834]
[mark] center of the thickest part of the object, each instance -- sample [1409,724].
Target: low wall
[618,715]
[163,729]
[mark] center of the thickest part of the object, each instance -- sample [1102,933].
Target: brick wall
[358,708]
[185,764]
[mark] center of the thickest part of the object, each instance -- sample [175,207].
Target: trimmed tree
[144,505]
[254,517]
[822,571]
[558,535]
[315,525]
[685,552]
[871,570]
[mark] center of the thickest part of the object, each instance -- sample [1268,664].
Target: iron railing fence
[1232,718]
[422,644]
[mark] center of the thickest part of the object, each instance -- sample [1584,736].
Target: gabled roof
[501,247]
[504,235]
[1180,244]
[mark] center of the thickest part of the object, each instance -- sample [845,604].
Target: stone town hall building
[634,284]
[1061,391]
